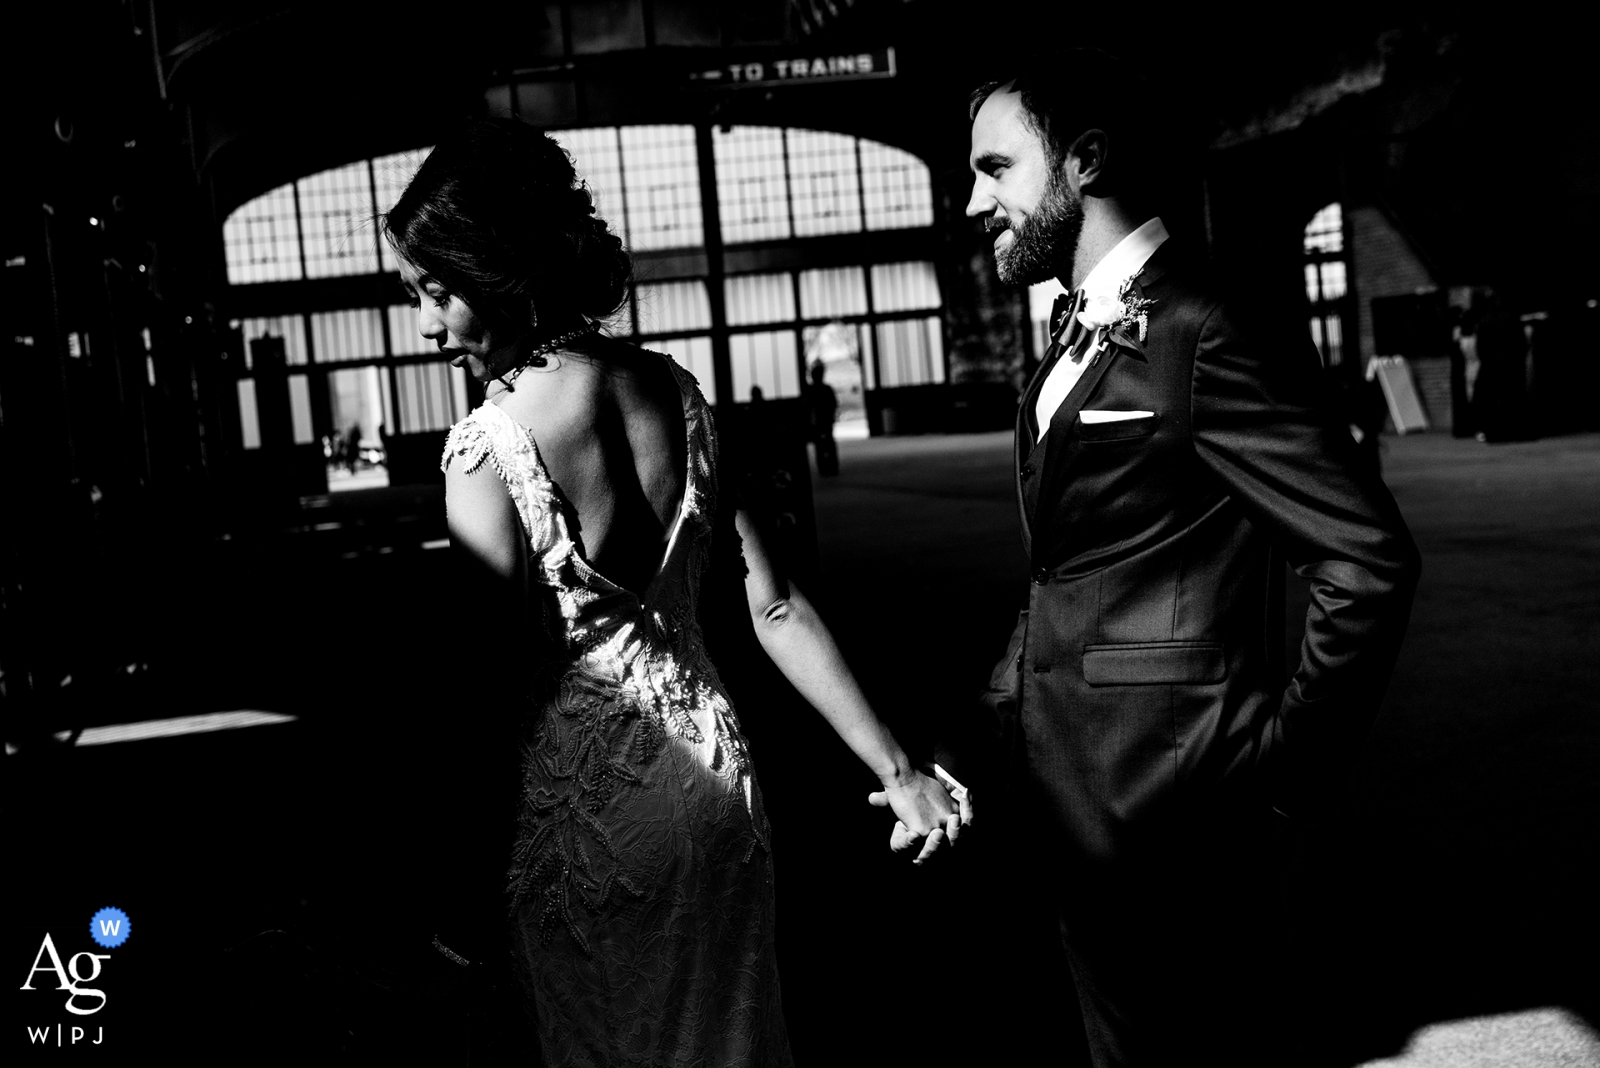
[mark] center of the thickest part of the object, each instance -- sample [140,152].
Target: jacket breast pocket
[1154,663]
[1141,426]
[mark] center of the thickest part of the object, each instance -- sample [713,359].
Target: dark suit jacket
[1145,680]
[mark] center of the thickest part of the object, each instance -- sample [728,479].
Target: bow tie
[1063,311]
[1066,332]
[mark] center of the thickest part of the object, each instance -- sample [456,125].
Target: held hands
[927,813]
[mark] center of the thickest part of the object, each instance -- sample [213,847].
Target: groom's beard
[1045,241]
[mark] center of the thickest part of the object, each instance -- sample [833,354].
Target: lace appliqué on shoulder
[468,445]
[488,434]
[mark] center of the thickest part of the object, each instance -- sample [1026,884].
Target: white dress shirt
[1115,267]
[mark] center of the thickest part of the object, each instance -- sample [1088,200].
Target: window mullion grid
[622,190]
[627,229]
[788,181]
[299,229]
[872,323]
[788,197]
[861,186]
[377,230]
[799,326]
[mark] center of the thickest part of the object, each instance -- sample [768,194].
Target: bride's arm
[485,533]
[799,643]
[471,740]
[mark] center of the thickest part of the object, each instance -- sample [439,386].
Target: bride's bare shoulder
[634,377]
[579,388]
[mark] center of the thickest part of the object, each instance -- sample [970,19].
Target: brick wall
[1432,377]
[1384,265]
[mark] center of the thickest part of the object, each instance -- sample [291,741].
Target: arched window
[874,324]
[1327,283]
[354,374]
[805,277]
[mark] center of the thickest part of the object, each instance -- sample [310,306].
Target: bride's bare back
[609,425]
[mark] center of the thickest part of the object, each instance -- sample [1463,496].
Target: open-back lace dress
[640,885]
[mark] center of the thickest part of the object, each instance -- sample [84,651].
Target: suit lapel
[1026,444]
[1030,465]
[1048,458]
[1024,501]
[1027,450]
[1064,330]
[1027,418]
[1052,476]
[1052,466]
[1158,265]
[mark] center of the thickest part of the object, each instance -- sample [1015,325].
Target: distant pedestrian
[1500,394]
[352,448]
[822,409]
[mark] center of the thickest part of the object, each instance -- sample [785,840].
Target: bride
[583,499]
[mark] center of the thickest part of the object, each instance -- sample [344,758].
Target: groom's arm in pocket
[974,739]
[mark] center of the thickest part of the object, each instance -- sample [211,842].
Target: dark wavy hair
[499,217]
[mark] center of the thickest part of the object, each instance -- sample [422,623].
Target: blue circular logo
[109,928]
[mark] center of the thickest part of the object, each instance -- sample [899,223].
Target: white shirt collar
[1125,260]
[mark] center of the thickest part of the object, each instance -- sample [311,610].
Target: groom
[1172,451]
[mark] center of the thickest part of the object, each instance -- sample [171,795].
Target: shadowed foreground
[1454,883]
[279,877]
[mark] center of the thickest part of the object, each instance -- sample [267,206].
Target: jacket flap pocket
[1151,663]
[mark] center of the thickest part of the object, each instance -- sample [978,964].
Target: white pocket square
[1090,416]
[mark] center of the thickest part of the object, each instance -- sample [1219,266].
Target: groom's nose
[982,201]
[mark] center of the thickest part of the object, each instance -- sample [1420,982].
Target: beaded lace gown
[640,884]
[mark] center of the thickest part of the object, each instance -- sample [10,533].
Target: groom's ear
[1085,164]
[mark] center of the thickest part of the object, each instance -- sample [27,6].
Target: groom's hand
[927,814]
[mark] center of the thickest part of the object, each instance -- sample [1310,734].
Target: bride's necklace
[537,358]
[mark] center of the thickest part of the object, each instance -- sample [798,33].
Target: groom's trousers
[1185,956]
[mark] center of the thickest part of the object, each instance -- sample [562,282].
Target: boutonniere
[1118,316]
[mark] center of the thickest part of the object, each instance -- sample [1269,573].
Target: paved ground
[278,876]
[1536,1038]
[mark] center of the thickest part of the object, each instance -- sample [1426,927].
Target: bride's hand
[926,812]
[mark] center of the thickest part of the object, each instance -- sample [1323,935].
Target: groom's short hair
[1068,92]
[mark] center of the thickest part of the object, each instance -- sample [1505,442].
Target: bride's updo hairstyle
[498,217]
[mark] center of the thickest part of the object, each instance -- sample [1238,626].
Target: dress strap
[469,444]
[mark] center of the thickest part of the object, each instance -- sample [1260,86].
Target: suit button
[1027,472]
[1040,576]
